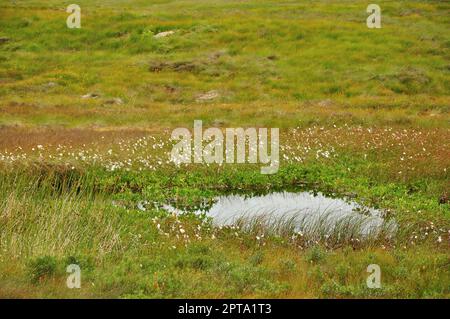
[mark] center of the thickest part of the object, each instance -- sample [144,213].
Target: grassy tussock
[34,223]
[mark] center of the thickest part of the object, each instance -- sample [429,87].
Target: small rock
[90,96]
[325,103]
[50,84]
[217,54]
[163,34]
[210,95]
[4,40]
[116,100]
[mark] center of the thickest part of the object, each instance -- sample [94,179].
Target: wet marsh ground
[85,121]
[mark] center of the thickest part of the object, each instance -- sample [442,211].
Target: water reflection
[304,212]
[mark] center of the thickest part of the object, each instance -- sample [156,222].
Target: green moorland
[86,116]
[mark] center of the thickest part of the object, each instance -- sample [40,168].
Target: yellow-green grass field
[86,116]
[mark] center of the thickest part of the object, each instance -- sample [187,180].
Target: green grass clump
[42,267]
